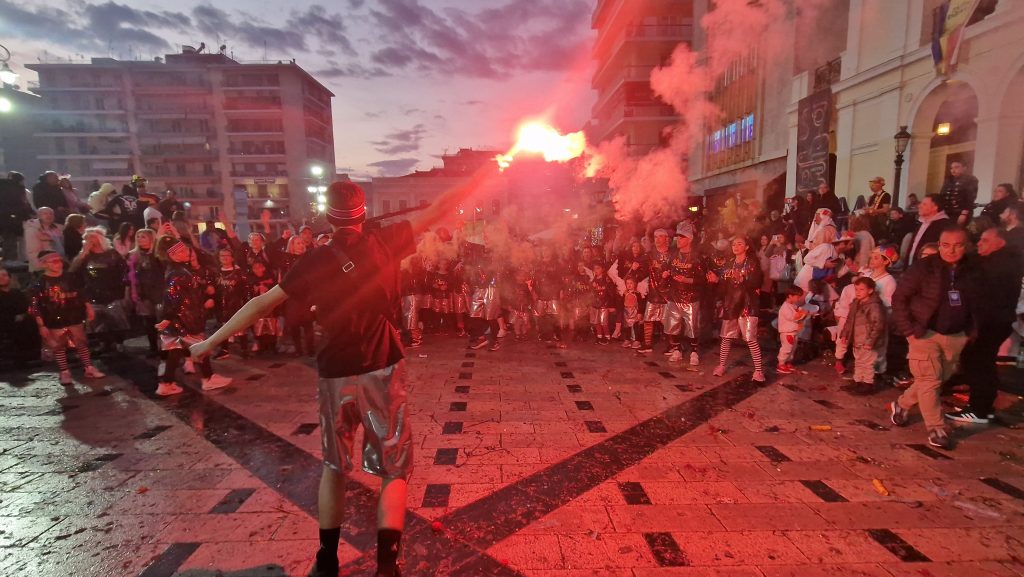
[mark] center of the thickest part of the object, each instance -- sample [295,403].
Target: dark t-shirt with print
[356,307]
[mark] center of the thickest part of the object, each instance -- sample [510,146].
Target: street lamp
[7,76]
[5,105]
[316,170]
[902,140]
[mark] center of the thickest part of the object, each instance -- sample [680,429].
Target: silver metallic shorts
[410,312]
[742,328]
[600,316]
[654,312]
[443,304]
[169,342]
[682,318]
[547,307]
[377,402]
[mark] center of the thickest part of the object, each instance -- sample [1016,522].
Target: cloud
[395,167]
[353,70]
[490,43]
[90,27]
[401,141]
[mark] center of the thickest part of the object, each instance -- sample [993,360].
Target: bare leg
[391,506]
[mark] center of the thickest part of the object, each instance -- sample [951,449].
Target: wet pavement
[530,461]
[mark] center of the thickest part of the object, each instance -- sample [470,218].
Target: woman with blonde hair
[146,280]
[105,280]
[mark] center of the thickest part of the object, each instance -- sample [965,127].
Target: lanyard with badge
[954,295]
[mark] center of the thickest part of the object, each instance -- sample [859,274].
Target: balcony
[660,40]
[257,151]
[251,130]
[170,150]
[246,173]
[660,114]
[81,128]
[80,111]
[252,104]
[90,154]
[171,111]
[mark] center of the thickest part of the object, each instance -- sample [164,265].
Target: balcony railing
[256,151]
[179,151]
[258,173]
[82,128]
[252,104]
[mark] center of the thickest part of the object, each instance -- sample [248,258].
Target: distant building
[19,145]
[204,125]
[634,37]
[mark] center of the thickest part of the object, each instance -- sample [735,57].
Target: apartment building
[219,132]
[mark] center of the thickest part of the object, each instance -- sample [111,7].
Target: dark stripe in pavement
[446,456]
[929,452]
[254,377]
[574,388]
[793,388]
[567,375]
[665,549]
[150,433]
[667,375]
[437,495]
[651,363]
[1003,486]
[470,355]
[685,388]
[232,501]
[772,453]
[824,492]
[462,389]
[277,365]
[458,406]
[561,364]
[897,546]
[827,404]
[451,428]
[584,405]
[167,563]
[491,519]
[634,493]
[595,427]
[305,428]
[870,424]
[468,364]
[465,376]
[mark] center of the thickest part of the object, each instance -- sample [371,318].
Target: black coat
[14,207]
[921,289]
[999,275]
[958,194]
[51,196]
[931,234]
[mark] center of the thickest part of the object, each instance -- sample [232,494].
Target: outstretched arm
[246,316]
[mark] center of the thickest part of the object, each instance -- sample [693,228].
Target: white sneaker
[93,373]
[502,333]
[65,378]
[627,343]
[255,348]
[160,368]
[676,356]
[694,359]
[636,345]
[190,367]
[215,382]
[617,333]
[719,371]
[758,377]
[168,389]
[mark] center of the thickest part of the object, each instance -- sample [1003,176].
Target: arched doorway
[944,128]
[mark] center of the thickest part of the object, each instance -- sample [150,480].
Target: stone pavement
[531,461]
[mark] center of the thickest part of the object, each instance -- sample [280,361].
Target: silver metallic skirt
[742,328]
[547,307]
[377,401]
[600,316]
[171,342]
[410,312]
[655,312]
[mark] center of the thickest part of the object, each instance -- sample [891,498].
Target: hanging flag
[946,39]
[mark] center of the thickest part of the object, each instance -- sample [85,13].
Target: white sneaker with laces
[168,389]
[93,373]
[215,382]
[190,367]
[676,356]
[694,359]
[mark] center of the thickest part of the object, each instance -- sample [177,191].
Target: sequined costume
[602,292]
[183,309]
[58,301]
[658,289]
[682,314]
[232,292]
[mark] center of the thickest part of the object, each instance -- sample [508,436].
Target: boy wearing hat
[60,310]
[354,283]
[658,287]
[682,313]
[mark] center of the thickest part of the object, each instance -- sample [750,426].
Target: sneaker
[840,367]
[65,378]
[215,382]
[326,565]
[93,373]
[604,341]
[784,369]
[460,333]
[636,345]
[694,359]
[939,438]
[968,417]
[676,356]
[643,350]
[617,332]
[479,344]
[668,352]
[190,367]
[904,380]
[719,371]
[859,389]
[168,389]
[626,344]
[758,377]
[897,414]
[415,343]
[502,333]
[495,346]
[255,348]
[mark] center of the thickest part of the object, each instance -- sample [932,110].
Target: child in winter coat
[863,331]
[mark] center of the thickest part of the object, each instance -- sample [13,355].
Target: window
[261,191]
[179,169]
[402,205]
[208,169]
[423,202]
[385,206]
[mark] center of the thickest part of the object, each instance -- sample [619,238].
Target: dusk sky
[412,78]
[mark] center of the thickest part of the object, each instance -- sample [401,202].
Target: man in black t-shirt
[353,283]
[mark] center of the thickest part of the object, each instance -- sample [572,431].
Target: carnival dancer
[105,283]
[146,277]
[738,282]
[233,288]
[682,313]
[659,274]
[548,273]
[602,304]
[60,310]
[264,329]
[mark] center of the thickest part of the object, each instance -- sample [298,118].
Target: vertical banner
[814,119]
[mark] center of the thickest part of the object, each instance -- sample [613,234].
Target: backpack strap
[346,263]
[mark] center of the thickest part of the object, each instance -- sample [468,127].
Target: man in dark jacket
[959,192]
[1000,268]
[932,221]
[47,192]
[14,211]
[932,307]
[827,199]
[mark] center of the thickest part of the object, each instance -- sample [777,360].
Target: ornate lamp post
[902,140]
